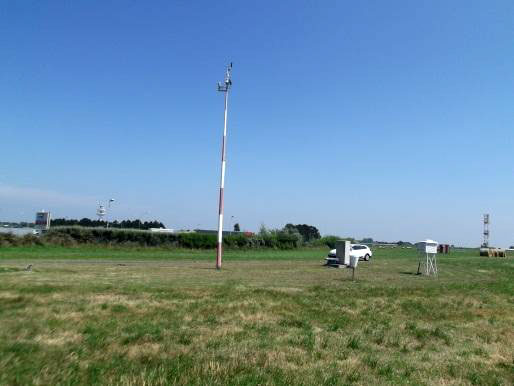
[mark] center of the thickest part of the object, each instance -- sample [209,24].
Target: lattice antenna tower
[486,231]
[101,212]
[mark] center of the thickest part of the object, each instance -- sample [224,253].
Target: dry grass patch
[58,338]
[144,350]
[256,317]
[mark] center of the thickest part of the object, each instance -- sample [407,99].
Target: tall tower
[223,87]
[485,244]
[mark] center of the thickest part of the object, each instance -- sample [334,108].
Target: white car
[358,250]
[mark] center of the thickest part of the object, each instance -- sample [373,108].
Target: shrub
[8,239]
[330,241]
[11,240]
[29,240]
[237,241]
[63,240]
[197,240]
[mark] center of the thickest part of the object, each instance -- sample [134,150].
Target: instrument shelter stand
[430,264]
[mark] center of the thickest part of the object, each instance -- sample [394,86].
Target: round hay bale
[484,251]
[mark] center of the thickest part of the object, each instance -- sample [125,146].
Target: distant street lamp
[108,210]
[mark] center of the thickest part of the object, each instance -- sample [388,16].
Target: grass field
[126,316]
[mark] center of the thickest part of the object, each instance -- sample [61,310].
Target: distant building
[162,230]
[385,245]
[42,220]
[215,232]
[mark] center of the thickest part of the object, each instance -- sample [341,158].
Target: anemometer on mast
[223,87]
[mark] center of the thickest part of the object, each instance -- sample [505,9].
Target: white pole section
[219,246]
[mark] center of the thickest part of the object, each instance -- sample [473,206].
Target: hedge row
[329,241]
[76,235]
[10,240]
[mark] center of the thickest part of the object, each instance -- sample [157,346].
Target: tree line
[124,224]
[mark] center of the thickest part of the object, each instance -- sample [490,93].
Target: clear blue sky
[393,119]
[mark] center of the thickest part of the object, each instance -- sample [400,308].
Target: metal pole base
[218,256]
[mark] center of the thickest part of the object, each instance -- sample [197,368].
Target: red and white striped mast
[223,87]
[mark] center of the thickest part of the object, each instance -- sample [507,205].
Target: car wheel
[366,258]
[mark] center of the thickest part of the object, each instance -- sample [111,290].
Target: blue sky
[385,119]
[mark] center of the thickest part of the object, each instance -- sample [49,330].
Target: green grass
[124,316]
[149,253]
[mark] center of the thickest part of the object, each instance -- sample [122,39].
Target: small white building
[427,246]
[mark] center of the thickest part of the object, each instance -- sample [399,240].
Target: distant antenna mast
[486,231]
[223,87]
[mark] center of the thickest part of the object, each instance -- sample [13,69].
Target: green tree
[263,231]
[237,228]
[308,232]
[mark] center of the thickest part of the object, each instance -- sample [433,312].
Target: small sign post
[354,261]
